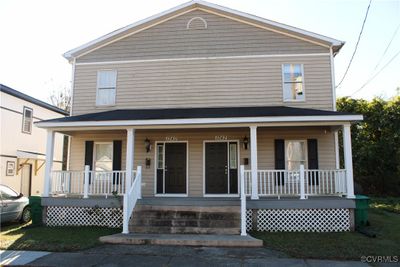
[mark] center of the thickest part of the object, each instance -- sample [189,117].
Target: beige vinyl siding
[223,37]
[195,138]
[204,83]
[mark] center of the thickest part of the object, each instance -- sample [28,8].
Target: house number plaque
[221,137]
[171,138]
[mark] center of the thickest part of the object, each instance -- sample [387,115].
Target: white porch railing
[96,183]
[130,198]
[298,183]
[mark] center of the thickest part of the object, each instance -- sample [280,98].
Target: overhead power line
[376,74]
[356,47]
[387,47]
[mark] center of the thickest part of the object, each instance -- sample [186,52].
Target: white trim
[323,118]
[72,84]
[333,79]
[201,5]
[237,163]
[302,83]
[155,169]
[199,58]
[196,18]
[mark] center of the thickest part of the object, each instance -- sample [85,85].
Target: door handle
[226,169]
[165,168]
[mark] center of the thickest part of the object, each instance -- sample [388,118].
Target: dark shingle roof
[13,92]
[197,113]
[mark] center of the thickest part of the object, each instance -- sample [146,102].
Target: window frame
[95,151]
[305,152]
[98,88]
[24,119]
[303,83]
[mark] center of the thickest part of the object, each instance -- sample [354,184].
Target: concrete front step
[183,230]
[140,221]
[196,215]
[185,219]
[183,240]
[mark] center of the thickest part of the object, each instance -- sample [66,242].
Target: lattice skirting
[299,220]
[83,216]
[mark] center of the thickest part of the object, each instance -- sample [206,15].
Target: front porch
[266,161]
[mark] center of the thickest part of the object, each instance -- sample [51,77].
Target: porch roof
[200,115]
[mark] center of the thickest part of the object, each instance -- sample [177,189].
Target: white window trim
[24,118]
[303,83]
[156,168]
[97,88]
[305,151]
[94,153]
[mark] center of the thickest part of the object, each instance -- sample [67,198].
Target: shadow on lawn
[28,237]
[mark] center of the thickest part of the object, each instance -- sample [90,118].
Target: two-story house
[22,145]
[208,105]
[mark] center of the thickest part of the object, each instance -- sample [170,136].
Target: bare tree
[61,98]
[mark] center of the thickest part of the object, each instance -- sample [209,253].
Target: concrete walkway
[183,240]
[16,257]
[149,255]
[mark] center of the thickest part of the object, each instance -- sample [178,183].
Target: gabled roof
[206,6]
[32,100]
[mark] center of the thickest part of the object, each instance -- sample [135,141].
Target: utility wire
[387,47]
[376,74]
[355,49]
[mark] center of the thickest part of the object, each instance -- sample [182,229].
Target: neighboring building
[22,144]
[191,95]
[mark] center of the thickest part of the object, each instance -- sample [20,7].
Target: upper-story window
[293,82]
[27,116]
[106,87]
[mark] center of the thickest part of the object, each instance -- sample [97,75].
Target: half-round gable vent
[197,23]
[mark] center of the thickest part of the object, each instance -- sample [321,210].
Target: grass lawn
[346,245]
[25,237]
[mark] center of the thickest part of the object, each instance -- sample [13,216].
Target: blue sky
[34,35]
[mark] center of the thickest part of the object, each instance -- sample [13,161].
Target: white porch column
[130,151]
[253,161]
[337,159]
[348,160]
[49,162]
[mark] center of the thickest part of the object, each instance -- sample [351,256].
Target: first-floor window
[103,157]
[295,154]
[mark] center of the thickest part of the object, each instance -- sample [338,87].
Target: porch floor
[183,240]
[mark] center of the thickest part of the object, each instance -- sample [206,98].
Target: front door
[171,168]
[26,179]
[221,168]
